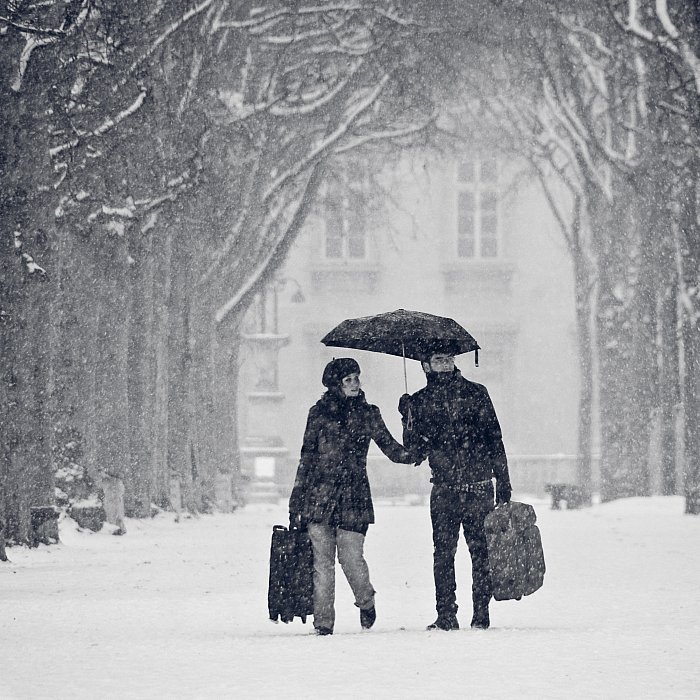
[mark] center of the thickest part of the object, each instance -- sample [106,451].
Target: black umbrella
[404,333]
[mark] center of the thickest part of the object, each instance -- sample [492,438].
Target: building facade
[468,238]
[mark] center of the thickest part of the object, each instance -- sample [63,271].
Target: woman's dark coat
[331,485]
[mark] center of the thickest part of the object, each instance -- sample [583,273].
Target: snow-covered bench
[570,493]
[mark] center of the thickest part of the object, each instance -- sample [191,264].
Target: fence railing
[528,473]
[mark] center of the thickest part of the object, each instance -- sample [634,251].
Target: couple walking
[452,423]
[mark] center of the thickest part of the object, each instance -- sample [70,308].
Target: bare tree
[665,34]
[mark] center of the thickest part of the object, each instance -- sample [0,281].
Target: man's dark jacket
[454,424]
[331,484]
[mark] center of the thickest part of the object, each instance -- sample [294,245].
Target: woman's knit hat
[338,368]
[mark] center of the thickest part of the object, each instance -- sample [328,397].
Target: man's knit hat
[338,368]
[438,347]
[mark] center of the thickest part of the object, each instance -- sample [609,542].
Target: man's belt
[477,487]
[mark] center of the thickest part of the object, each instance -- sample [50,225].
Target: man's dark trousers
[449,509]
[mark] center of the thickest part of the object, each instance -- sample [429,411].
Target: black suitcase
[290,592]
[516,558]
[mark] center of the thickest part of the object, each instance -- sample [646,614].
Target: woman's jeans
[325,540]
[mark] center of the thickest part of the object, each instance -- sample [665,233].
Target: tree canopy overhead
[159,158]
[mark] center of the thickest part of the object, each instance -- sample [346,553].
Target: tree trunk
[161,296]
[644,368]
[139,479]
[111,389]
[691,347]
[626,349]
[31,475]
[26,478]
[613,470]
[203,384]
[691,473]
[10,318]
[227,349]
[668,360]
[179,368]
[584,288]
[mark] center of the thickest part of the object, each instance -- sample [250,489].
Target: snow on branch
[251,185]
[594,36]
[255,25]
[634,26]
[396,19]
[386,135]
[284,110]
[30,29]
[329,141]
[554,103]
[150,222]
[107,124]
[195,69]
[559,209]
[31,43]
[27,260]
[266,21]
[671,41]
[110,123]
[343,49]
[171,29]
[554,140]
[665,19]
[56,150]
[534,135]
[175,186]
[598,81]
[675,109]
[302,204]
[633,23]
[295,38]
[36,37]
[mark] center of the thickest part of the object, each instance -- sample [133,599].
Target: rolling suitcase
[516,558]
[290,592]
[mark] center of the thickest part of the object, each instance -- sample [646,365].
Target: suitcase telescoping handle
[276,528]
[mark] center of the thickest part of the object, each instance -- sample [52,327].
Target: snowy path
[179,611]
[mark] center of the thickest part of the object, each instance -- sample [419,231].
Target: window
[477,208]
[345,221]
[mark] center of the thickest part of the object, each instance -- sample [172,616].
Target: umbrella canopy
[403,333]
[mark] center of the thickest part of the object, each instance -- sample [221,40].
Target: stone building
[470,238]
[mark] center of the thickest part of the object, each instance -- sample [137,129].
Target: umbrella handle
[405,380]
[409,419]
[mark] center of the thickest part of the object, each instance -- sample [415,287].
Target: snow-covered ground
[179,610]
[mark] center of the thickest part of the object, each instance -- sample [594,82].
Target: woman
[331,494]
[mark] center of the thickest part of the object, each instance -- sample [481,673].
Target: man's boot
[480,618]
[446,622]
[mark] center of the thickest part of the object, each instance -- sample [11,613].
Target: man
[452,422]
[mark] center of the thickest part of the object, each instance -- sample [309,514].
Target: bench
[43,525]
[572,494]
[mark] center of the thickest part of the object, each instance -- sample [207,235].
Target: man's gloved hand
[404,405]
[503,492]
[417,457]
